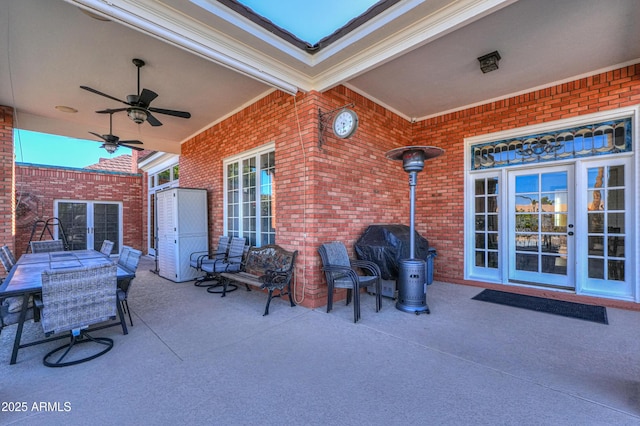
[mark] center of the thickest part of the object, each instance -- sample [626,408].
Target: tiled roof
[121,163]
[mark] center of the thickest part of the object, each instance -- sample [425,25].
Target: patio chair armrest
[348,272]
[198,256]
[368,266]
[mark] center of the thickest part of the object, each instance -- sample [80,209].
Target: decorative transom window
[608,137]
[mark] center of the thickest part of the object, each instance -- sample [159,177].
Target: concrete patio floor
[195,358]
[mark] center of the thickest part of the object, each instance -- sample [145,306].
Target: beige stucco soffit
[164,23]
[448,18]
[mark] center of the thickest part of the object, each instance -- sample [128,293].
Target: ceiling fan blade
[137,148]
[132,142]
[152,120]
[111,111]
[147,96]
[102,94]
[100,136]
[181,114]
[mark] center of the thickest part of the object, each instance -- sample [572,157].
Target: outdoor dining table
[25,280]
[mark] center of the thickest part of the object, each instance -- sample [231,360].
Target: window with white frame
[166,177]
[249,196]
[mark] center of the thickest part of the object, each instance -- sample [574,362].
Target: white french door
[87,224]
[541,226]
[556,205]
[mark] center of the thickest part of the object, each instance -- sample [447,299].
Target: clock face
[345,123]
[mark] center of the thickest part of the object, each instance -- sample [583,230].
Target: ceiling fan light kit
[109,147]
[138,115]
[112,142]
[138,106]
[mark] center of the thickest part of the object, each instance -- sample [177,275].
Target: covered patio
[195,358]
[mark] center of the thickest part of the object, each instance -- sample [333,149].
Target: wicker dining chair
[46,246]
[73,300]
[129,260]
[6,258]
[107,247]
[10,307]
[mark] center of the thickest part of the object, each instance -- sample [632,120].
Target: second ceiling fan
[139,109]
[112,142]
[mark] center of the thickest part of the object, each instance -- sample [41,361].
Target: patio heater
[412,273]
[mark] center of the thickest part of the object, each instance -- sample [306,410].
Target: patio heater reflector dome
[412,273]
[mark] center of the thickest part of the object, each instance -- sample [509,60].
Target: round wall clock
[345,123]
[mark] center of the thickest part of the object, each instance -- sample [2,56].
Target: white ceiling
[418,58]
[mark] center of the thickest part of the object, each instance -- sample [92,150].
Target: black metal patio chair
[196,259]
[230,263]
[342,272]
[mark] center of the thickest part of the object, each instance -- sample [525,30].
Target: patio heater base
[412,287]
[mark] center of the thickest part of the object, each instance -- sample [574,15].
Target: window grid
[249,200]
[606,222]
[486,222]
[250,197]
[267,191]
[233,197]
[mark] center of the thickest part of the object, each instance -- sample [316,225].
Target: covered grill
[386,245]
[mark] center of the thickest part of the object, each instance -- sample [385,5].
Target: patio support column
[7,178]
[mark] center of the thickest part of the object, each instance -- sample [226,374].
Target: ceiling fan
[112,142]
[138,108]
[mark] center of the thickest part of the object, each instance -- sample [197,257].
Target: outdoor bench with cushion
[268,267]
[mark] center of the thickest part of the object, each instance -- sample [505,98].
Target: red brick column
[7,181]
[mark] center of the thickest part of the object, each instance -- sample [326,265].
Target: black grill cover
[386,245]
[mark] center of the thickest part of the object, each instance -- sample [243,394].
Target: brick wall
[6,178]
[442,208]
[323,193]
[37,187]
[334,191]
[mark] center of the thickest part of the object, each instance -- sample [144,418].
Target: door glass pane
[73,217]
[527,262]
[106,225]
[541,210]
[606,223]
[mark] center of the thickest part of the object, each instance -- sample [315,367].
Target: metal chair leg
[125,303]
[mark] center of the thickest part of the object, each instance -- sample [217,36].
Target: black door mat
[558,307]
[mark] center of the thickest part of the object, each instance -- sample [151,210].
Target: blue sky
[51,150]
[307,20]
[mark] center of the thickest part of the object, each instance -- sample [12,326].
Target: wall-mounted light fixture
[489,62]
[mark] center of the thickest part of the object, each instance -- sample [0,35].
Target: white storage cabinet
[182,230]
